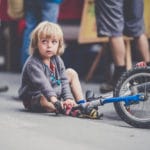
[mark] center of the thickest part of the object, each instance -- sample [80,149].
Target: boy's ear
[33,38]
[61,50]
[33,43]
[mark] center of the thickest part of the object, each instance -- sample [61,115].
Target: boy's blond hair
[46,29]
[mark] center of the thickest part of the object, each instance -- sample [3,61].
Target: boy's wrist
[53,99]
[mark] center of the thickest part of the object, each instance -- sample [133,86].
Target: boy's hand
[59,107]
[69,102]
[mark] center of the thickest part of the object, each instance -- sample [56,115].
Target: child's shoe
[91,113]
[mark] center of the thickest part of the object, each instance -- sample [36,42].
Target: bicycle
[131,98]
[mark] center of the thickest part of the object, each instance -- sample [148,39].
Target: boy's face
[48,47]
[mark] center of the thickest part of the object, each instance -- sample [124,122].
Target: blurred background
[81,52]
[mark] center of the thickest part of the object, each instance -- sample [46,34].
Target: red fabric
[21,27]
[68,109]
[3,11]
[70,112]
[52,67]
[141,64]
[71,9]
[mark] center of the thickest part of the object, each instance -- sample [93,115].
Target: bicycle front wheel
[132,82]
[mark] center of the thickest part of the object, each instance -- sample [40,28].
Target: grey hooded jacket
[37,79]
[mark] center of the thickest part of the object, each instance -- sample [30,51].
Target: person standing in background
[35,12]
[115,19]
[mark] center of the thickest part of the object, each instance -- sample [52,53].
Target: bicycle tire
[137,115]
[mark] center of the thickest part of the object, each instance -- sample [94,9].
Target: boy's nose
[49,44]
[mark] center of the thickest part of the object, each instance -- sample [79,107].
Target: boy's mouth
[48,51]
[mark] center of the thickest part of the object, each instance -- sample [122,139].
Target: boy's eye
[54,41]
[44,41]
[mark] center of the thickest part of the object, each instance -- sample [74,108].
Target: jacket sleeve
[66,90]
[39,80]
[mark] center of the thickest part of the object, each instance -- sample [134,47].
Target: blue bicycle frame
[127,99]
[132,99]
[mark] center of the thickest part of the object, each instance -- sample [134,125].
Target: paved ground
[21,130]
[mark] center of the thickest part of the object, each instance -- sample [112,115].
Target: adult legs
[110,23]
[118,53]
[32,17]
[118,50]
[143,46]
[50,11]
[134,26]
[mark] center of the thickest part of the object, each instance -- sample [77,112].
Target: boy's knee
[71,74]
[71,71]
